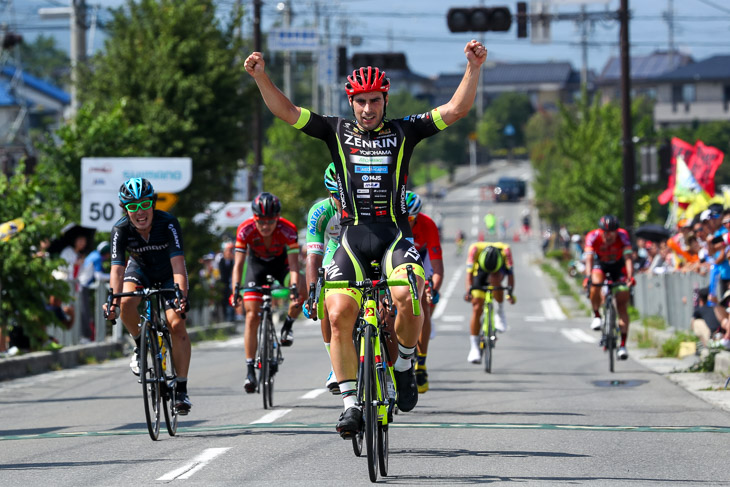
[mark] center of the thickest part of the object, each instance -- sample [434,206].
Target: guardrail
[669,296]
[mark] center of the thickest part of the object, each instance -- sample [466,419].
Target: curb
[74,355]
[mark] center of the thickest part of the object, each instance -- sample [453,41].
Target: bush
[670,348]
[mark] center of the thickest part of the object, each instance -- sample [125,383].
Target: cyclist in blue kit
[153,240]
[371,156]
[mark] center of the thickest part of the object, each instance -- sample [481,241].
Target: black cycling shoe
[251,383]
[182,403]
[287,336]
[407,389]
[350,423]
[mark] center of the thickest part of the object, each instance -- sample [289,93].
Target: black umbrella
[68,237]
[653,232]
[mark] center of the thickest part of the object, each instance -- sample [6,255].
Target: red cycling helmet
[366,79]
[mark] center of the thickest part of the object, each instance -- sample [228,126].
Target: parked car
[509,189]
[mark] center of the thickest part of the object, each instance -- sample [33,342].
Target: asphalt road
[549,414]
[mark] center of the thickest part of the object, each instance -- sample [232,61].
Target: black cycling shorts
[134,273]
[258,269]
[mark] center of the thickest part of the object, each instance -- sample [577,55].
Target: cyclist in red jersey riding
[428,243]
[608,256]
[371,156]
[271,242]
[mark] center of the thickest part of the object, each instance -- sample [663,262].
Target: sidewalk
[71,356]
[708,386]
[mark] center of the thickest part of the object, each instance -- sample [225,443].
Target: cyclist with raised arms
[153,240]
[487,264]
[428,243]
[323,238]
[371,156]
[608,255]
[272,247]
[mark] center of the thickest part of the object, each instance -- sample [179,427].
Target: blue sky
[418,28]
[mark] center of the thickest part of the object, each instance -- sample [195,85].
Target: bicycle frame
[488,334]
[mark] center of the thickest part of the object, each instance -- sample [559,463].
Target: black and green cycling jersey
[372,165]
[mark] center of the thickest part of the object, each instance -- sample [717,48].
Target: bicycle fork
[383,370]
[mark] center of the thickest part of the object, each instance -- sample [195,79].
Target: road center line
[313,393]
[272,416]
[187,471]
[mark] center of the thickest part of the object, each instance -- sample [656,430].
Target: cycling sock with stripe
[405,357]
[348,390]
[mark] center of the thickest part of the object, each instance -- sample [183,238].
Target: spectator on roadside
[225,271]
[90,276]
[73,255]
[704,321]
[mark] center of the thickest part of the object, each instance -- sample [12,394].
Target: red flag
[704,163]
[687,151]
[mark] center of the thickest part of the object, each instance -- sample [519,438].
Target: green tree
[512,109]
[44,60]
[294,165]
[25,280]
[579,173]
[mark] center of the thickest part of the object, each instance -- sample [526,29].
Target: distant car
[509,189]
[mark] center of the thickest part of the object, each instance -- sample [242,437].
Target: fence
[669,296]
[203,316]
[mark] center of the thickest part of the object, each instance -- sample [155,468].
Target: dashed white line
[272,416]
[576,335]
[552,310]
[313,393]
[186,471]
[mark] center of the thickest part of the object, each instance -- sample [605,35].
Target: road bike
[376,384]
[488,333]
[268,352]
[610,334]
[156,365]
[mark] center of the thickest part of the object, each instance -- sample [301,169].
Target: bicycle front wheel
[149,377]
[370,406]
[265,357]
[168,384]
[611,336]
[489,337]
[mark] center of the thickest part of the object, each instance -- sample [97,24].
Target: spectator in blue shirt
[91,274]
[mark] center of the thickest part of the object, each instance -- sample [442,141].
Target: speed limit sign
[102,176]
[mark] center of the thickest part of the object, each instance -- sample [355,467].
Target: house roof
[517,73]
[716,67]
[37,84]
[650,66]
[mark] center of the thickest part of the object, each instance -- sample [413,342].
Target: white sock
[405,358]
[474,341]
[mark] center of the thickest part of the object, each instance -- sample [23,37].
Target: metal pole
[628,143]
[255,181]
[78,48]
[287,54]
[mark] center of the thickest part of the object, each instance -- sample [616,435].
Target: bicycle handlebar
[317,292]
[145,292]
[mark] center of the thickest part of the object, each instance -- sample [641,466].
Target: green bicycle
[488,333]
[376,383]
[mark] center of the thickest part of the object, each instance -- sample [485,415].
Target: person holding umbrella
[609,256]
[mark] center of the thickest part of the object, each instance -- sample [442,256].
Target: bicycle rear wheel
[370,406]
[149,377]
[488,339]
[611,336]
[265,357]
[168,385]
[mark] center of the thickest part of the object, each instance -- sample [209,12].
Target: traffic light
[521,20]
[11,39]
[382,60]
[479,19]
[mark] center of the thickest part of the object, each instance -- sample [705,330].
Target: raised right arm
[275,100]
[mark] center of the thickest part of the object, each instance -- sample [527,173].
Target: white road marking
[185,472]
[452,318]
[576,335]
[450,328]
[272,416]
[536,319]
[446,294]
[313,393]
[552,310]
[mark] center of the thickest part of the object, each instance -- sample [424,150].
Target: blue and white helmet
[135,189]
[413,203]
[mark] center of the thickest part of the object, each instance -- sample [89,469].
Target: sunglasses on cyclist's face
[266,221]
[142,205]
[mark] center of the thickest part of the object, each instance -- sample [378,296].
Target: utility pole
[255,180]
[584,46]
[316,58]
[628,143]
[287,53]
[78,48]
[669,15]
